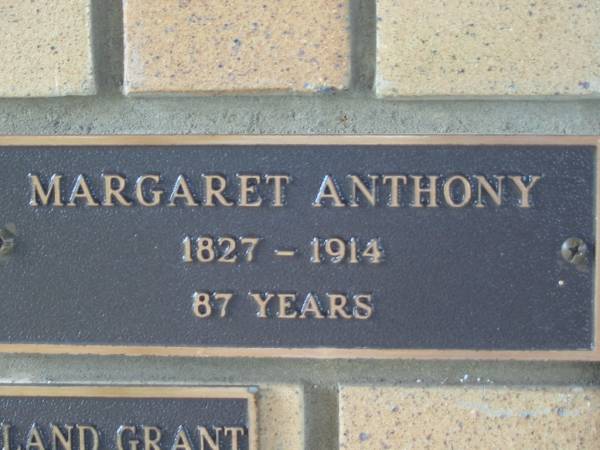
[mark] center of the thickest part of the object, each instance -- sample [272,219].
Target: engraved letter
[262,303]
[132,444]
[524,189]
[370,193]
[83,430]
[496,196]
[286,307]
[152,436]
[311,306]
[182,440]
[117,193]
[363,308]
[214,187]
[329,191]
[6,436]
[278,181]
[394,188]
[34,440]
[431,190]
[337,303]
[58,435]
[81,190]
[182,190]
[37,191]
[205,437]
[466,191]
[236,432]
[139,191]
[248,186]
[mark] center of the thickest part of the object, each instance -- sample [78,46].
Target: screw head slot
[575,251]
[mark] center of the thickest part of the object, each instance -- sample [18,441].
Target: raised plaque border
[144,392]
[321,352]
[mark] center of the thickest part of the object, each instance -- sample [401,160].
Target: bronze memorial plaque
[127,418]
[298,246]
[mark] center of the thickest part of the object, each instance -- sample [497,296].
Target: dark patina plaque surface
[127,418]
[312,247]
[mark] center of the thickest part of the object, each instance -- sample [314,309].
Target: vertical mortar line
[595,374]
[363,41]
[321,422]
[107,45]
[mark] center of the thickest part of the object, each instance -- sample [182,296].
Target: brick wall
[424,49]
[306,66]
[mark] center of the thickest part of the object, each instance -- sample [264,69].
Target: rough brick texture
[46,48]
[491,48]
[190,46]
[281,417]
[473,418]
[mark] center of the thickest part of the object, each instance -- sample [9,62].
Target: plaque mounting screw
[7,241]
[574,251]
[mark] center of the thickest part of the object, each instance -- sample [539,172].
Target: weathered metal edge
[321,352]
[161,140]
[99,391]
[304,353]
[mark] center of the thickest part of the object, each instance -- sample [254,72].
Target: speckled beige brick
[469,418]
[200,46]
[488,48]
[45,48]
[281,417]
